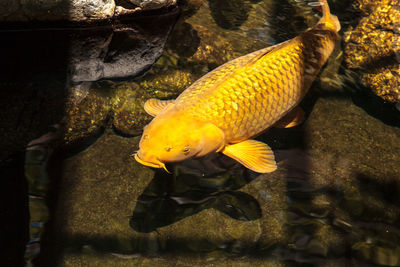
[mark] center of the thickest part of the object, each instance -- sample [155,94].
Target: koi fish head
[175,138]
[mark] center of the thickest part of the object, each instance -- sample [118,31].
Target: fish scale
[262,91]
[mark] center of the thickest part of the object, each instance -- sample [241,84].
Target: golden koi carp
[237,101]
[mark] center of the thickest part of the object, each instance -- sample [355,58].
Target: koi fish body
[227,107]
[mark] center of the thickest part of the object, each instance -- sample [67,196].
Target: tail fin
[329,20]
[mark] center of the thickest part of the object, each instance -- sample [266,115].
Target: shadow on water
[189,40]
[210,182]
[370,222]
[376,106]
[364,98]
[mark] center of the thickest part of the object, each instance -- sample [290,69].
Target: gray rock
[131,53]
[71,10]
[91,10]
[87,53]
[118,52]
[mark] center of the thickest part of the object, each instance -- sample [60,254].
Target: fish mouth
[158,164]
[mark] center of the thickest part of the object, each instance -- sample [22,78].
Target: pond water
[72,115]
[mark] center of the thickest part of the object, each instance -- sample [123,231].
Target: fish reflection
[196,188]
[225,109]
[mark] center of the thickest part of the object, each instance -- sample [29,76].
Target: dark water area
[72,114]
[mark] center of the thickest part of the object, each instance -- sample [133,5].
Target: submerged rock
[128,115]
[85,116]
[167,85]
[373,47]
[230,14]
[212,51]
[119,51]
[190,7]
[93,107]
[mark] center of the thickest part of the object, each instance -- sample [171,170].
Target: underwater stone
[253,34]
[142,44]
[86,61]
[350,150]
[167,85]
[190,7]
[210,230]
[199,51]
[213,50]
[85,117]
[108,52]
[373,46]
[270,192]
[128,115]
[230,14]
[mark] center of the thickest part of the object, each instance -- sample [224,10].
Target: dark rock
[119,51]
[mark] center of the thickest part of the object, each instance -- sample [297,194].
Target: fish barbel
[237,101]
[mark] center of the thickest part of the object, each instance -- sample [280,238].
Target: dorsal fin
[154,106]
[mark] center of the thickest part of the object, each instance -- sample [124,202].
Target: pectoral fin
[253,154]
[293,118]
[154,106]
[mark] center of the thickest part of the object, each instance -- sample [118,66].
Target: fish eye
[145,137]
[168,149]
[186,150]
